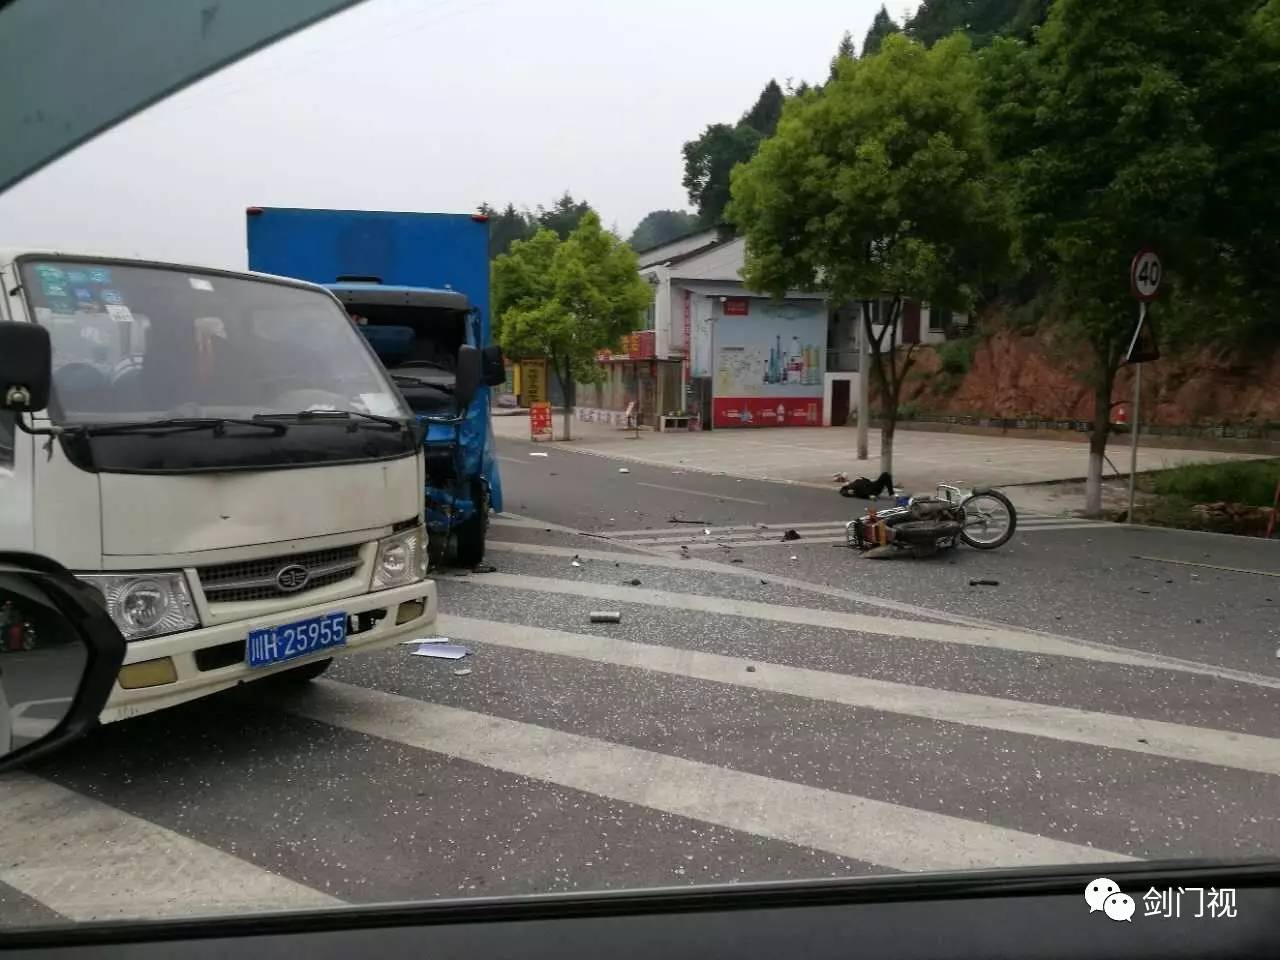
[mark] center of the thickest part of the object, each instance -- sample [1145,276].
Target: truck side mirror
[467,376]
[495,374]
[26,367]
[60,654]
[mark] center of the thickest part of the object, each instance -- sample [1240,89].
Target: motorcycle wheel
[989,520]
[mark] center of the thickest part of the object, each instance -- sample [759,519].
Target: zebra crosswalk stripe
[1110,731]
[91,861]
[874,831]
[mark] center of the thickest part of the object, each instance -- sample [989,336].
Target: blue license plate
[291,640]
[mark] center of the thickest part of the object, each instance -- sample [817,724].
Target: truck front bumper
[210,659]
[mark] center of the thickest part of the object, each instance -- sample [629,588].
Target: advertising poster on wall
[769,364]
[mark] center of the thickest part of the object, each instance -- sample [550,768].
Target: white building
[750,360]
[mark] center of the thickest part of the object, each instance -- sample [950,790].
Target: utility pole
[864,382]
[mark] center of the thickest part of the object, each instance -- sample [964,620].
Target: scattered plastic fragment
[633,582]
[464,672]
[791,535]
[623,470]
[794,557]
[484,568]
[441,651]
[606,616]
[736,560]
[537,453]
[984,583]
[751,669]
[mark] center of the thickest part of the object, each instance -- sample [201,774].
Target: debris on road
[794,557]
[737,560]
[750,669]
[979,582]
[675,519]
[421,640]
[441,651]
[575,562]
[706,531]
[791,535]
[606,616]
[633,582]
[537,453]
[840,478]
[484,568]
[464,672]
[623,470]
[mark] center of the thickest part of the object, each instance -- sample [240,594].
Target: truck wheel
[471,532]
[303,674]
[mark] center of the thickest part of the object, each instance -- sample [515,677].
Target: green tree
[845,51]
[882,25]
[850,199]
[764,115]
[567,299]
[710,159]
[506,227]
[1118,128]
[661,226]
[708,162]
[563,216]
[981,20]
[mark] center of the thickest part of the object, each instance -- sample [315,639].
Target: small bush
[956,356]
[1240,481]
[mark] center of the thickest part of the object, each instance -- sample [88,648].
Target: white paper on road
[441,651]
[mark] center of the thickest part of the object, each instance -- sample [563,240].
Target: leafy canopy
[710,159]
[660,226]
[881,183]
[567,299]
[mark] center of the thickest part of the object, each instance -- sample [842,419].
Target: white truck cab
[221,455]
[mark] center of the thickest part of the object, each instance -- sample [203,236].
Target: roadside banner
[540,421]
[534,381]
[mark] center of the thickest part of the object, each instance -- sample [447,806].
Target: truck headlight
[402,558]
[146,604]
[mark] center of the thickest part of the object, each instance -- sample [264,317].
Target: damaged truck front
[416,285]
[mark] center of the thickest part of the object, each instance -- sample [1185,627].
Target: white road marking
[1111,731]
[994,637]
[873,831]
[655,558]
[699,493]
[91,861]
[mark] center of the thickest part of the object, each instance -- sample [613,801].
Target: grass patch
[1239,481]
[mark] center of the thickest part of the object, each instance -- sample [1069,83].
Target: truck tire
[471,532]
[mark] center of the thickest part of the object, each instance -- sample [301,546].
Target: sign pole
[1134,420]
[864,384]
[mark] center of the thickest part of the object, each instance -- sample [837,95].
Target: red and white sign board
[540,421]
[766,412]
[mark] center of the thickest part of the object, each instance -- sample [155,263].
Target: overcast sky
[432,105]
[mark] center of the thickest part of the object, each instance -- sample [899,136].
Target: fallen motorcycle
[983,518]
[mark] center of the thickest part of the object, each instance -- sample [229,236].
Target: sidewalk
[814,454]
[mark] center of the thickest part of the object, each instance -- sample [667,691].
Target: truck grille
[258,579]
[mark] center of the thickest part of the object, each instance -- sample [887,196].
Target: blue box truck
[417,286]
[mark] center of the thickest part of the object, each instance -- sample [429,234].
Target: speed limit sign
[1144,274]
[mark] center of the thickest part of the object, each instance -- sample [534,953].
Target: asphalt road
[801,713]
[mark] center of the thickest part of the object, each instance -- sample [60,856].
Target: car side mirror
[466,376]
[60,655]
[495,374]
[26,367]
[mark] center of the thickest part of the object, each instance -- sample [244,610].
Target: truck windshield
[136,343]
[419,348]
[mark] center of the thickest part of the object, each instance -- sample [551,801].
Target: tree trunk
[886,446]
[1098,437]
[565,377]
